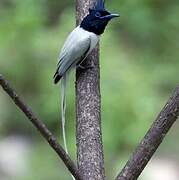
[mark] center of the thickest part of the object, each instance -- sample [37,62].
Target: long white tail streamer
[63,109]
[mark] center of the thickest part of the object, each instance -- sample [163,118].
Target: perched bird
[81,41]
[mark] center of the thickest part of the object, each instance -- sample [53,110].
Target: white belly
[94,41]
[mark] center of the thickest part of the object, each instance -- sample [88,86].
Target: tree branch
[41,127]
[152,139]
[88,110]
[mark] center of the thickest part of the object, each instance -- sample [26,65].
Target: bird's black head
[97,19]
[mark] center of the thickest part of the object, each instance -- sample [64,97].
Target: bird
[78,45]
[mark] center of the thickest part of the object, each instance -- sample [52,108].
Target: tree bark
[152,139]
[41,127]
[88,107]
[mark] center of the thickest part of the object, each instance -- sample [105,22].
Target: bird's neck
[96,28]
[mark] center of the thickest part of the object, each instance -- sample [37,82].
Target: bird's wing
[75,48]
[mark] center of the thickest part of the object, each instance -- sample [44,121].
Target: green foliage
[139,68]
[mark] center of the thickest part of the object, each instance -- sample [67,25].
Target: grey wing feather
[71,54]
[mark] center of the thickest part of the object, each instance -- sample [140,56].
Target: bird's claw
[85,67]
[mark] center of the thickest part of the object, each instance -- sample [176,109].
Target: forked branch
[143,152]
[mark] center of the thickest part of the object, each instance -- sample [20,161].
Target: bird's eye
[98,14]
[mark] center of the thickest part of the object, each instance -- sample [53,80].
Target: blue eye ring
[97,14]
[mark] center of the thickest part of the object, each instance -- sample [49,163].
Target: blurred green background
[139,70]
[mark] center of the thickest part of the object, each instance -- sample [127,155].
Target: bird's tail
[63,108]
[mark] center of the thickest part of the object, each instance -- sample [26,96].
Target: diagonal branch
[152,139]
[41,127]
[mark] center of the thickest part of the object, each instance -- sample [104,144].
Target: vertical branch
[88,107]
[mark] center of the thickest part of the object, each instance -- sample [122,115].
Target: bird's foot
[85,67]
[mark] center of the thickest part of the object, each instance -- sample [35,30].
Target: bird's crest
[100,5]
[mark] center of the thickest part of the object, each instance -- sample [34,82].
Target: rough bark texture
[152,139]
[88,106]
[41,127]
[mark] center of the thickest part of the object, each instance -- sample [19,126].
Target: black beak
[110,16]
[114,15]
